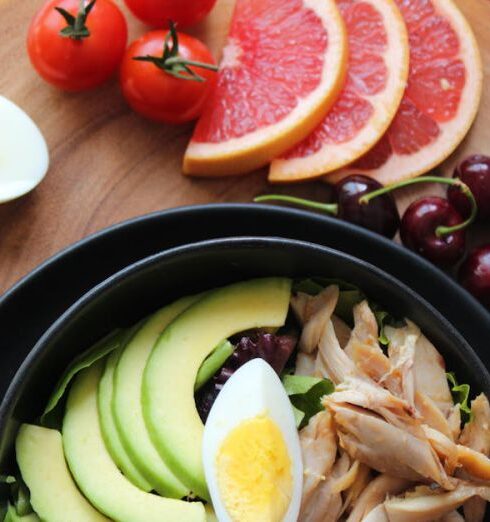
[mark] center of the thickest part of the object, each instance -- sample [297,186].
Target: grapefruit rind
[452,133]
[254,150]
[385,104]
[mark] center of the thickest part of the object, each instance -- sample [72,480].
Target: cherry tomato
[157,80]
[157,13]
[76,45]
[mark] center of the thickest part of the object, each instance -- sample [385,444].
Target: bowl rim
[8,402]
[105,232]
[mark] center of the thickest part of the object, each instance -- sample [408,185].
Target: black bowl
[155,281]
[33,304]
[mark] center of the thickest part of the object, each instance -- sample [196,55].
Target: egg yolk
[254,472]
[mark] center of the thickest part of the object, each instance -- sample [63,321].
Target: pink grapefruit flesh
[440,102]
[282,69]
[376,79]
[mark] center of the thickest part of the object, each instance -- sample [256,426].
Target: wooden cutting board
[108,164]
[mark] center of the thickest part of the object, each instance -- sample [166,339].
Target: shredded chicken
[454,421]
[314,313]
[365,327]
[319,450]
[378,514]
[332,362]
[430,375]
[325,504]
[363,478]
[390,425]
[476,435]
[475,465]
[305,364]
[401,351]
[342,331]
[367,395]
[426,504]
[431,415]
[375,494]
[364,349]
[444,447]
[371,361]
[386,448]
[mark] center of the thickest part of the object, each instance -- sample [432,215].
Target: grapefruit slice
[282,69]
[376,80]
[441,100]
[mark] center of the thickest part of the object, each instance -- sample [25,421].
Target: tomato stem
[329,208]
[77,25]
[174,64]
[441,230]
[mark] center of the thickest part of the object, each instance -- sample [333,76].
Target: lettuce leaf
[461,396]
[305,394]
[50,416]
[213,364]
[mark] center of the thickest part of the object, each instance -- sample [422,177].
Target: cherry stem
[329,208]
[441,230]
[174,64]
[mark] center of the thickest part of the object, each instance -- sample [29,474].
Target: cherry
[430,226]
[474,171]
[423,230]
[379,215]
[474,274]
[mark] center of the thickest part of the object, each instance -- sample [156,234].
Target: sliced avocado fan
[168,384]
[95,472]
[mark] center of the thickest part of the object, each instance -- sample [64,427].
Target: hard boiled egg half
[24,156]
[251,450]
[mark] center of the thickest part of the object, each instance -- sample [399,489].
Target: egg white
[253,390]
[24,157]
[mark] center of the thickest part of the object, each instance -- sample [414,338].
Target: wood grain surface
[108,164]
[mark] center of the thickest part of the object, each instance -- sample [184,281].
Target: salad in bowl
[267,400]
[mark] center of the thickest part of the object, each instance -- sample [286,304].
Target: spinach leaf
[305,394]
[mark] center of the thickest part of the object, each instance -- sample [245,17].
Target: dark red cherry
[419,231]
[475,172]
[474,274]
[379,215]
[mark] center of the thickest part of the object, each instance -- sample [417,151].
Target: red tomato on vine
[77,45]
[167,76]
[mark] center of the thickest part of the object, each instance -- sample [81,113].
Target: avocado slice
[109,430]
[168,383]
[126,404]
[54,495]
[12,516]
[95,472]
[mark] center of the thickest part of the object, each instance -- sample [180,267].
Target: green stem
[76,27]
[177,60]
[442,230]
[329,208]
[173,63]
[79,20]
